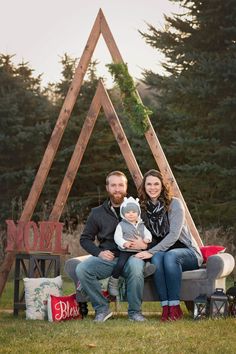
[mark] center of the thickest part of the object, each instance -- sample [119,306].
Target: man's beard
[117,198]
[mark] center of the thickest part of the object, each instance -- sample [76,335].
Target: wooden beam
[55,139]
[168,176]
[77,156]
[109,40]
[100,95]
[120,136]
[5,269]
[61,122]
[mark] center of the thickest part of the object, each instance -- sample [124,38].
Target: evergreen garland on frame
[136,112]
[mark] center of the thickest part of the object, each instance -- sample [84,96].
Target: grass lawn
[117,335]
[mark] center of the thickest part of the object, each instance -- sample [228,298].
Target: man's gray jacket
[100,226]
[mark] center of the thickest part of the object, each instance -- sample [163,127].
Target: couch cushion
[195,274]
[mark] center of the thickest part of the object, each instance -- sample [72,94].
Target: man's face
[116,189]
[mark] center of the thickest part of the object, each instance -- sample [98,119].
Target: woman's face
[153,187]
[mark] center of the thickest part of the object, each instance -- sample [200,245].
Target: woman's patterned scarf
[158,219]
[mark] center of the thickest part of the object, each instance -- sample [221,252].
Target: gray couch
[205,280]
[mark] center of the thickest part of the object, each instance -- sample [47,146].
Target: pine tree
[24,128]
[196,104]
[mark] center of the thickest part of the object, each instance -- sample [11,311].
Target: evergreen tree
[196,104]
[24,129]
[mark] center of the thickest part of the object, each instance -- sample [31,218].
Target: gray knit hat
[130,204]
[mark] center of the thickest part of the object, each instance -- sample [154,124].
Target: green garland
[136,112]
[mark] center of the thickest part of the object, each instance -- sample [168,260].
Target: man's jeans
[93,269]
[168,275]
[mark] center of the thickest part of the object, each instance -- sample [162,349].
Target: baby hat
[130,204]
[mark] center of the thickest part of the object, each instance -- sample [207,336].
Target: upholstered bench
[205,280]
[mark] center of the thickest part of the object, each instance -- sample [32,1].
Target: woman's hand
[144,255]
[138,244]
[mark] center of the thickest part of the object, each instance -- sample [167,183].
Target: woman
[173,249]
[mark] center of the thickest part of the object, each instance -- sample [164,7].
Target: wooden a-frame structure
[100,100]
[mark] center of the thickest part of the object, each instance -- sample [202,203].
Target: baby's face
[131,216]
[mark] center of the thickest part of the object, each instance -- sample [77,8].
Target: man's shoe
[175,313]
[137,316]
[113,286]
[103,316]
[149,269]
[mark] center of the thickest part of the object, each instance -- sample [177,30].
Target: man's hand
[144,255]
[138,244]
[106,255]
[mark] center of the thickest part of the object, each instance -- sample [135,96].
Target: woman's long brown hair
[165,195]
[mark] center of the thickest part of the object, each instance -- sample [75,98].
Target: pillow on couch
[62,308]
[37,292]
[208,251]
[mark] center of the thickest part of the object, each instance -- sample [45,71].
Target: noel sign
[29,236]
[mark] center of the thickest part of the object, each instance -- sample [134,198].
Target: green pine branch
[134,109]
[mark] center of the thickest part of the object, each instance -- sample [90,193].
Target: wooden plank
[168,175]
[165,169]
[120,136]
[61,122]
[77,156]
[109,40]
[5,269]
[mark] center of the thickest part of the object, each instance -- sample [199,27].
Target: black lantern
[231,293]
[201,307]
[218,304]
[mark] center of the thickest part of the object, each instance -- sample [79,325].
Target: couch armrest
[71,264]
[220,265]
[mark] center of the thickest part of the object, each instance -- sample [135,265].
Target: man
[100,226]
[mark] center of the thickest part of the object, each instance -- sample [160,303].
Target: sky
[40,32]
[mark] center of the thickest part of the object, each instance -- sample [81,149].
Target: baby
[129,228]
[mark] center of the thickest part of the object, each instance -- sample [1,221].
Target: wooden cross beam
[100,99]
